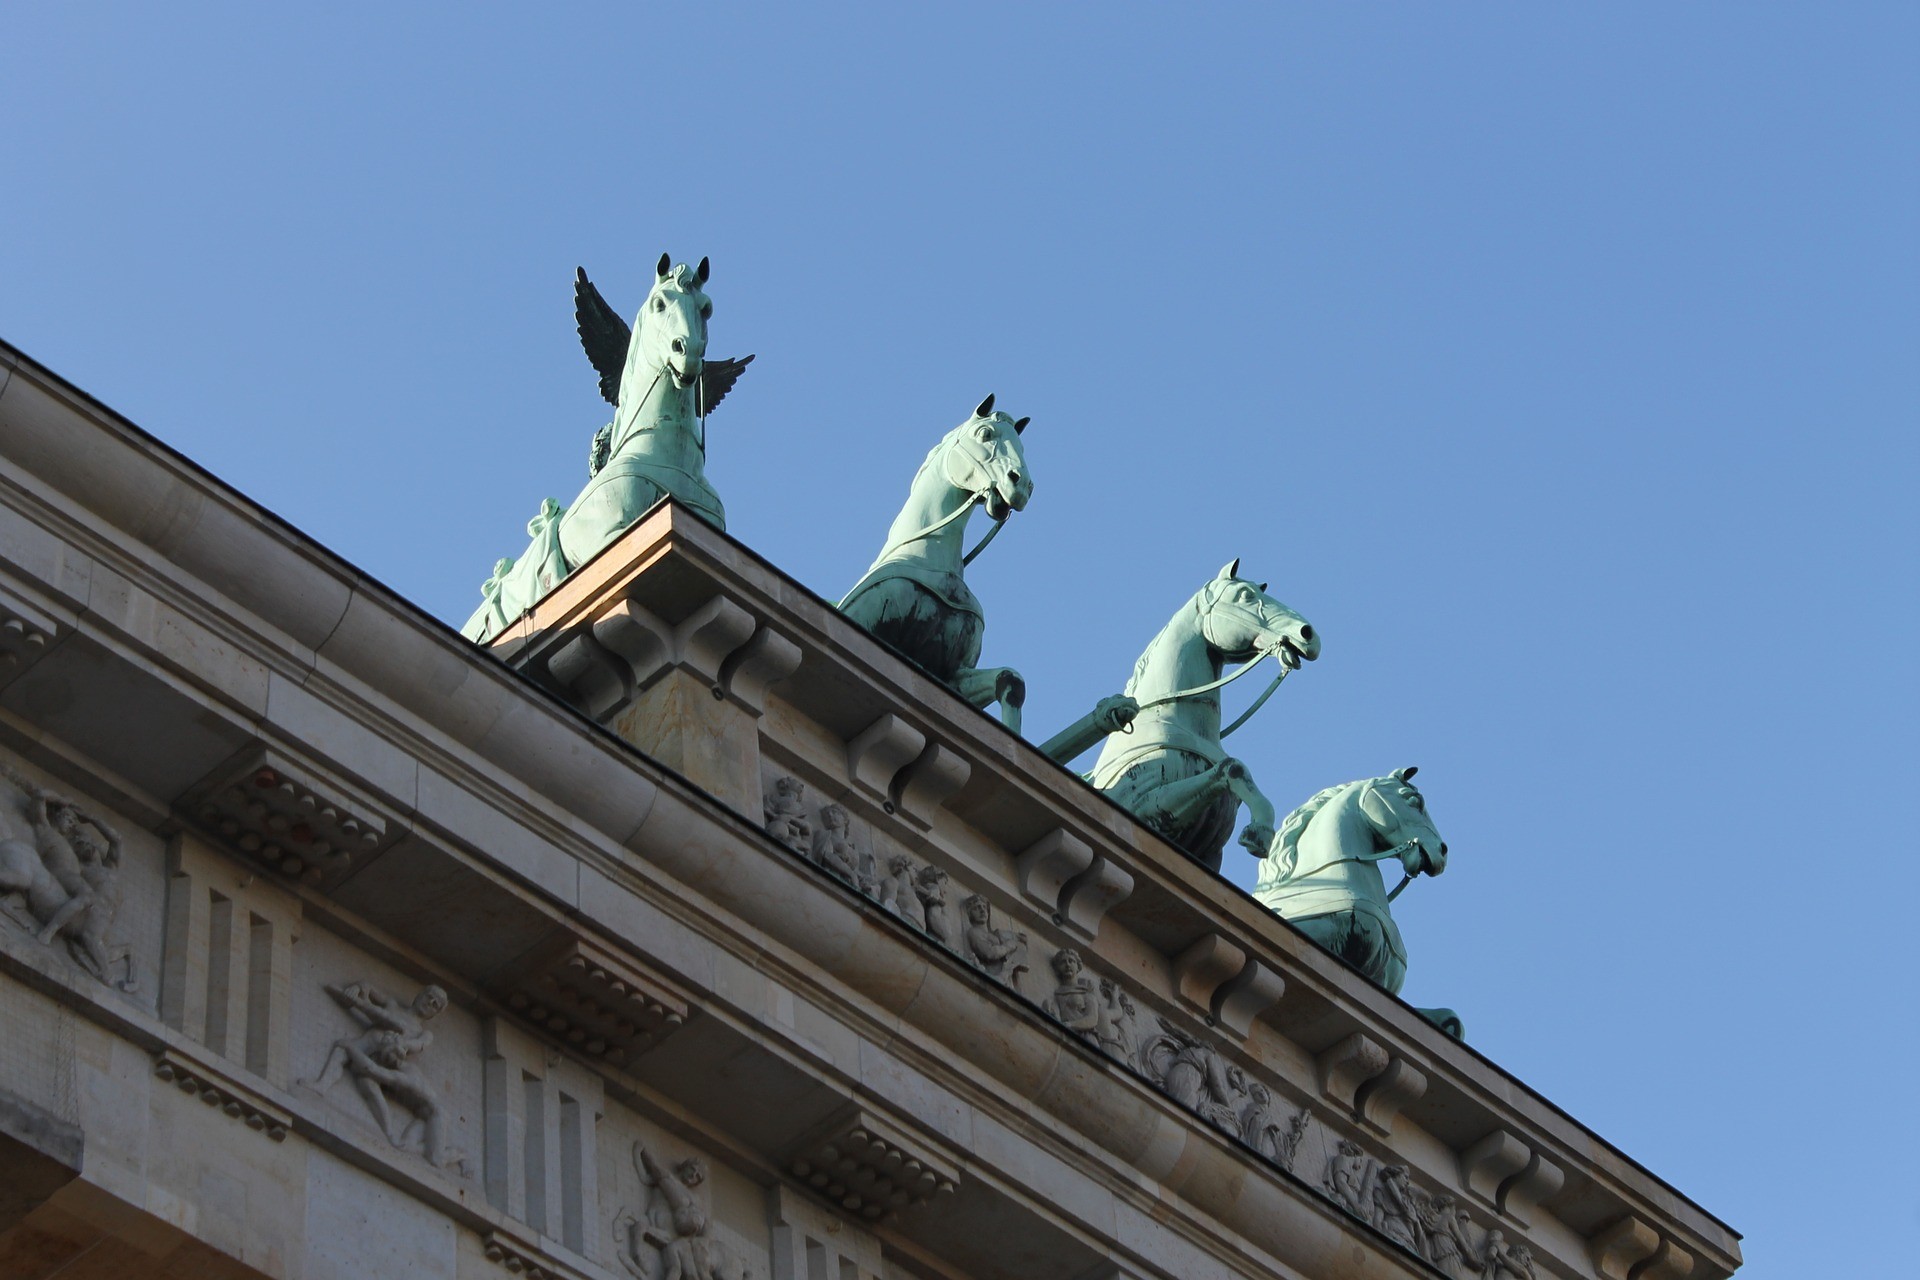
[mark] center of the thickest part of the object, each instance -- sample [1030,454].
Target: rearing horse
[662,385]
[915,596]
[1322,873]
[1169,768]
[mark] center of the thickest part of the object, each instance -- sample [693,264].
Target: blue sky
[1557,362]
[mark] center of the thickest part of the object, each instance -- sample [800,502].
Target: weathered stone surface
[635,957]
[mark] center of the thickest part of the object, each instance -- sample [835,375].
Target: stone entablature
[576,901]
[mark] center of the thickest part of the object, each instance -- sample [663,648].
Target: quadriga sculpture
[1322,873]
[1169,768]
[662,385]
[915,597]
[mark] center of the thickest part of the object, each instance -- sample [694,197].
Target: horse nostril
[1014,476]
[1306,631]
[1443,848]
[679,346]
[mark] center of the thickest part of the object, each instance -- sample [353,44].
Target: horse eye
[659,304]
[706,311]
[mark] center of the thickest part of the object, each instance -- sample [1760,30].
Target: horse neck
[655,416]
[1340,831]
[931,499]
[1180,658]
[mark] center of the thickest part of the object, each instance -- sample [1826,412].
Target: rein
[1180,695]
[959,513]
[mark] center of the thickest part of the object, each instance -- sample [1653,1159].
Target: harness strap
[973,500]
[1181,694]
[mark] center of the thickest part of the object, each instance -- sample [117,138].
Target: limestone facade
[686,933]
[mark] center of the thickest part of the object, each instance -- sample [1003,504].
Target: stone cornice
[354,661]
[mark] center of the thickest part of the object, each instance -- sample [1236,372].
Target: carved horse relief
[1322,873]
[1167,766]
[662,386]
[915,596]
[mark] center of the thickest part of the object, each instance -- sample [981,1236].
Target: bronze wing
[603,334]
[716,379]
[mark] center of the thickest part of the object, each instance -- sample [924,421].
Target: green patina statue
[915,596]
[657,376]
[1322,873]
[1163,760]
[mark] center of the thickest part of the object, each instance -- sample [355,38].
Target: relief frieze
[1184,1066]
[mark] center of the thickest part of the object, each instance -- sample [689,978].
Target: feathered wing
[603,334]
[716,379]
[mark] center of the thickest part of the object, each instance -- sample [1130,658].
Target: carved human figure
[676,1225]
[1443,1229]
[1499,1261]
[1001,953]
[1075,1001]
[785,811]
[1349,1179]
[832,847]
[930,886]
[68,877]
[381,1061]
[1393,1208]
[1258,1127]
[1193,1075]
[1117,1018]
[897,893]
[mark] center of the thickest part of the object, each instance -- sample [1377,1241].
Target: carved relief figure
[675,1241]
[1393,1208]
[1290,1145]
[832,848]
[1444,1229]
[1075,1002]
[1349,1180]
[897,892]
[786,815]
[68,877]
[1258,1128]
[1193,1075]
[930,886]
[1117,1018]
[381,1061]
[1001,953]
[1503,1262]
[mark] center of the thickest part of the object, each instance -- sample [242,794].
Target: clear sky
[1558,362]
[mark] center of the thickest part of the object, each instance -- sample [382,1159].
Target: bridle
[961,512]
[1182,695]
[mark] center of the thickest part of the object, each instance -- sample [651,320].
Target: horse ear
[1263,588]
[986,407]
[701,272]
[666,265]
[1406,774]
[1021,425]
[1232,569]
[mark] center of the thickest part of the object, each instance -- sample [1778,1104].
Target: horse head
[1399,816]
[984,456]
[672,326]
[1240,620]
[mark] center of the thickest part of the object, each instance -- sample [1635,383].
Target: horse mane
[1286,845]
[1140,663]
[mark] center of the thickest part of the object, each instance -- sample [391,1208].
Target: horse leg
[984,686]
[1174,805]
